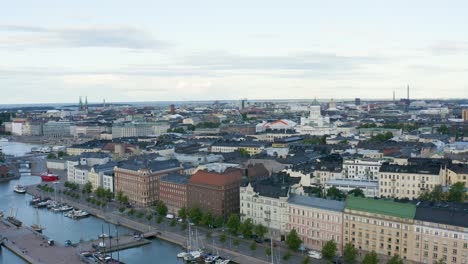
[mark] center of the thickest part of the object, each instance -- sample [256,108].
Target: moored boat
[37,228]
[14,221]
[49,177]
[19,189]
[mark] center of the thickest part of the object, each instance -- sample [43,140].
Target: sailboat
[37,227]
[12,218]
[184,254]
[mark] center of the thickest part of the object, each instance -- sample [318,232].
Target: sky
[120,51]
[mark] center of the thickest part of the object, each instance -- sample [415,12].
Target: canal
[61,228]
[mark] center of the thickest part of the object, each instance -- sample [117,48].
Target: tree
[456,192]
[253,246]
[329,250]
[395,260]
[219,221]
[440,261]
[293,241]
[260,230]
[334,193]
[222,238]
[236,242]
[61,154]
[443,129]
[161,208]
[246,228]
[357,192]
[371,258]
[119,196]
[195,215]
[268,251]
[88,187]
[207,219]
[350,253]
[182,213]
[233,224]
[51,156]
[125,199]
[305,260]
[287,256]
[243,152]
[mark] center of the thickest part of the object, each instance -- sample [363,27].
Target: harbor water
[62,228]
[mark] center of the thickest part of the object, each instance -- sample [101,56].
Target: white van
[170,216]
[315,254]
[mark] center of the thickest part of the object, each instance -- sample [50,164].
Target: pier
[33,247]
[113,244]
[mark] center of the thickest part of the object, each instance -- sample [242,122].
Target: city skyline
[158,51]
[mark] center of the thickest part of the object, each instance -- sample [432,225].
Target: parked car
[170,216]
[314,254]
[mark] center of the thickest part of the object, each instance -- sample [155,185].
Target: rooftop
[384,207]
[320,203]
[430,169]
[175,178]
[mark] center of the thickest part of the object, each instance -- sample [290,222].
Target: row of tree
[456,193]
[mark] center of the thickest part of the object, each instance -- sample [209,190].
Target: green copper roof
[384,207]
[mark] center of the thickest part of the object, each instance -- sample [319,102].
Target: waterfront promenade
[33,247]
[239,254]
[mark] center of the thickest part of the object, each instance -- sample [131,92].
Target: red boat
[49,177]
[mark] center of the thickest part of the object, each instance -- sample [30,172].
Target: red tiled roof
[219,179]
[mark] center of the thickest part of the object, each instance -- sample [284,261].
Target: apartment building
[266,205]
[383,226]
[370,188]
[251,147]
[316,220]
[138,178]
[408,181]
[441,233]
[361,169]
[173,191]
[217,192]
[457,173]
[96,174]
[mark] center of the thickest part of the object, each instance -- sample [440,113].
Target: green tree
[357,192]
[443,129]
[456,192]
[195,215]
[222,238]
[161,208]
[350,253]
[149,217]
[305,260]
[260,230]
[253,246]
[119,196]
[173,222]
[395,260]
[233,224]
[207,219]
[287,256]
[334,193]
[219,221]
[125,199]
[182,213]
[159,219]
[61,154]
[243,152]
[293,241]
[329,250]
[236,242]
[268,251]
[371,258]
[140,214]
[246,228]
[51,156]
[88,187]
[184,226]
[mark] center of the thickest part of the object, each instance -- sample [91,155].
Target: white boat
[222,261]
[3,140]
[193,255]
[19,189]
[182,254]
[211,259]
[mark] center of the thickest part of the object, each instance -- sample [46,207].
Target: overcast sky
[55,51]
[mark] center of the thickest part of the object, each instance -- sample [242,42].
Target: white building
[265,205]
[361,169]
[370,188]
[282,124]
[108,181]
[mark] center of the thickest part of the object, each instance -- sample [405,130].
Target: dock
[33,247]
[112,245]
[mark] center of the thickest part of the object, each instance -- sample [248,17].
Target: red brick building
[173,191]
[215,192]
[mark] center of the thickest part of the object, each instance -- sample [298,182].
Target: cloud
[17,36]
[449,47]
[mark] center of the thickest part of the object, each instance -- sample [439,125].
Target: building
[57,129]
[370,188]
[108,181]
[252,147]
[408,181]
[266,204]
[215,192]
[316,220]
[96,174]
[457,173]
[142,129]
[85,160]
[383,226]
[465,114]
[361,169]
[173,191]
[441,233]
[282,124]
[138,178]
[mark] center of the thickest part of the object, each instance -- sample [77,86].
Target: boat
[1,214]
[19,189]
[77,214]
[14,221]
[182,254]
[35,201]
[49,177]
[222,261]
[43,204]
[3,139]
[37,228]
[211,259]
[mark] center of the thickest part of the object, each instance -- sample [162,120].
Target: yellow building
[383,226]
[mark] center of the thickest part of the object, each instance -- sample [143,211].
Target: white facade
[108,182]
[406,185]
[270,212]
[81,174]
[369,188]
[361,169]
